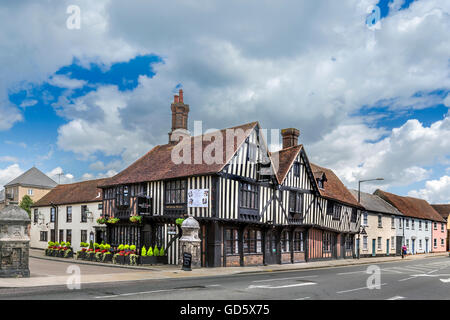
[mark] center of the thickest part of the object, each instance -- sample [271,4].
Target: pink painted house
[438,236]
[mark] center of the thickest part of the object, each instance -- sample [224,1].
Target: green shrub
[126,247]
[96,246]
[133,247]
[102,247]
[67,244]
[179,221]
[107,246]
[120,247]
[91,245]
[161,252]
[156,251]
[143,251]
[150,252]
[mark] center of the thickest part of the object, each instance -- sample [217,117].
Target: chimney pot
[175,99]
[181,95]
[290,137]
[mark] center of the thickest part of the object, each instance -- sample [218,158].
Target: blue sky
[363,113]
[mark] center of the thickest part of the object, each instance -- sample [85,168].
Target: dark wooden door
[271,251]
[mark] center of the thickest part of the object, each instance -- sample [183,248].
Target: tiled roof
[334,189]
[374,203]
[411,207]
[157,164]
[80,192]
[442,209]
[285,158]
[33,178]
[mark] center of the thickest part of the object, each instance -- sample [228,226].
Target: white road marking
[281,287]
[305,298]
[280,279]
[344,291]
[445,280]
[406,279]
[389,270]
[137,293]
[396,298]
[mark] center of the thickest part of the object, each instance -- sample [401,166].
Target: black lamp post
[362,230]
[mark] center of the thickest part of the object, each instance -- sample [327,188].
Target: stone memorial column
[190,244]
[14,242]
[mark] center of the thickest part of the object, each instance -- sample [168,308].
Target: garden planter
[81,255]
[152,260]
[120,259]
[127,260]
[107,257]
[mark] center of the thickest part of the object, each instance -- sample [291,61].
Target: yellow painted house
[33,183]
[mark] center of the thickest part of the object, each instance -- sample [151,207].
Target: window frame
[69,215]
[176,190]
[41,236]
[232,247]
[298,239]
[52,214]
[252,241]
[245,202]
[83,214]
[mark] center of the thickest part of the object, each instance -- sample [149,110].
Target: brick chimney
[290,137]
[180,113]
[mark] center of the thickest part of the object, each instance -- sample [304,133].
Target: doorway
[387,247]
[373,247]
[271,251]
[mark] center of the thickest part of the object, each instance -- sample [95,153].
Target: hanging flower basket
[102,220]
[113,220]
[136,219]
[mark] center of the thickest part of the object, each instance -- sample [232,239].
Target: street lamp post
[362,229]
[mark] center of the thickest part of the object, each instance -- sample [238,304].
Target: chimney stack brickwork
[290,137]
[180,112]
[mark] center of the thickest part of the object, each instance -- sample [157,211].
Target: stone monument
[190,243]
[14,242]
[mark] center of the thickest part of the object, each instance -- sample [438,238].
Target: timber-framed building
[254,207]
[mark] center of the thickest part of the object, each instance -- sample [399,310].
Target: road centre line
[282,287]
[396,298]
[280,279]
[137,293]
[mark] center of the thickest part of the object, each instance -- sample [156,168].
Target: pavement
[415,278]
[49,271]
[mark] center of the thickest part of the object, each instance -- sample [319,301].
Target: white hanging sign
[198,198]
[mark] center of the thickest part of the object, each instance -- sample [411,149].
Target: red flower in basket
[103,251]
[83,249]
[122,253]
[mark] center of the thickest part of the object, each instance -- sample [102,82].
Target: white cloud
[58,175]
[28,103]
[9,173]
[66,82]
[8,159]
[435,191]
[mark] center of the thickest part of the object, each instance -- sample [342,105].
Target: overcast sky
[370,100]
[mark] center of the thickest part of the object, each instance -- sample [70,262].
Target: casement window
[442,242]
[348,242]
[365,238]
[43,236]
[392,242]
[284,241]
[69,235]
[52,215]
[393,222]
[100,206]
[123,196]
[84,213]
[407,243]
[296,168]
[426,225]
[252,154]
[248,196]
[400,223]
[298,241]
[380,221]
[30,192]
[35,216]
[407,223]
[442,227]
[175,192]
[420,224]
[61,235]
[69,214]
[252,241]
[334,209]
[435,226]
[412,224]
[83,236]
[231,241]
[319,183]
[354,216]
[420,243]
[435,242]
[379,243]
[295,202]
[326,242]
[52,235]
[365,218]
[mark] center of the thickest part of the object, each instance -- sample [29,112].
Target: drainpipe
[56,221]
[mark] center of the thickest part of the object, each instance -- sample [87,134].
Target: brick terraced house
[69,212]
[421,227]
[254,207]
